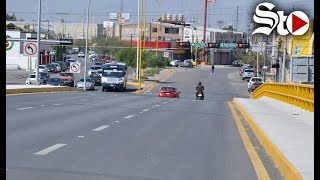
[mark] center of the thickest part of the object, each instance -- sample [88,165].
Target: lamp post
[38,40]
[86,51]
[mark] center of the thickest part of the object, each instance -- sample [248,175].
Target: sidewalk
[286,128]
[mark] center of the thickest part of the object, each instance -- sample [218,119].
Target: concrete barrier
[42,90]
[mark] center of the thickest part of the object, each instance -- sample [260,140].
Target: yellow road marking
[285,166]
[155,83]
[253,155]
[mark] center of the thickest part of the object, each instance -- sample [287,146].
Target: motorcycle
[200,95]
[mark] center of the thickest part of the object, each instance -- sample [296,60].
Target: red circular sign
[7,44]
[30,49]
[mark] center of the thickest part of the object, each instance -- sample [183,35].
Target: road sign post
[75,67]
[30,49]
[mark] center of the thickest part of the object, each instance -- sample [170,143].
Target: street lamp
[86,51]
[38,40]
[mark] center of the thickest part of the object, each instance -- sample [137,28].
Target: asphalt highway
[123,135]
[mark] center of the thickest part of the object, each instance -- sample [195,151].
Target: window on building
[171,30]
[154,29]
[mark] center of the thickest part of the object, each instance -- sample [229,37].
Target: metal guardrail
[300,95]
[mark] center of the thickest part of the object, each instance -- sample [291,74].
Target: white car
[254,79]
[174,63]
[57,66]
[81,54]
[43,68]
[89,84]
[31,79]
[248,73]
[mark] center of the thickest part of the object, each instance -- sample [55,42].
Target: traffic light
[184,44]
[213,45]
[243,45]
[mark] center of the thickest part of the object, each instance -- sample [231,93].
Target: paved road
[114,135]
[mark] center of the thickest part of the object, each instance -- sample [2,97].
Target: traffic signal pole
[204,32]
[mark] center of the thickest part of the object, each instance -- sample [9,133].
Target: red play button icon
[298,23]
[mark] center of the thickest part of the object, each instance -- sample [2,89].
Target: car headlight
[121,79]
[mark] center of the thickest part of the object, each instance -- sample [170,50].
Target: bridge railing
[300,95]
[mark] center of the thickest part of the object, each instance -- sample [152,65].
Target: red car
[254,86]
[170,92]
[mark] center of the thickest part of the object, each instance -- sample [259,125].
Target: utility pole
[284,61]
[158,28]
[138,41]
[237,18]
[204,31]
[38,41]
[120,25]
[48,30]
[86,51]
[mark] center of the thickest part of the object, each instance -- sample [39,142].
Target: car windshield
[95,68]
[87,80]
[256,79]
[168,89]
[54,80]
[248,70]
[32,76]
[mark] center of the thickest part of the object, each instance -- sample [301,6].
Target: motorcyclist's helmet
[199,83]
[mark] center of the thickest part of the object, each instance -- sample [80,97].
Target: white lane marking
[164,102]
[130,116]
[100,128]
[43,105]
[140,112]
[49,149]
[102,97]
[24,108]
[145,110]
[81,136]
[116,121]
[57,104]
[172,99]
[157,105]
[84,100]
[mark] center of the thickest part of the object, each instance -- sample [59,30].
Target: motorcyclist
[200,88]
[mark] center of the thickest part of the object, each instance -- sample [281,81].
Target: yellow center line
[253,155]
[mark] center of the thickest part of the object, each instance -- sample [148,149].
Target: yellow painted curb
[135,84]
[253,155]
[148,89]
[285,166]
[40,90]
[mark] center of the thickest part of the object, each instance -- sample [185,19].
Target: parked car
[43,68]
[98,64]
[254,86]
[67,78]
[31,79]
[89,84]
[236,63]
[174,63]
[185,63]
[171,92]
[81,54]
[62,64]
[243,67]
[94,69]
[55,82]
[96,79]
[247,73]
[254,79]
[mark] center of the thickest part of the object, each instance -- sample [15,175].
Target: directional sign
[199,44]
[30,49]
[166,54]
[228,45]
[75,67]
[9,44]
[273,71]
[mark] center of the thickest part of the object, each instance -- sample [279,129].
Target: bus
[114,76]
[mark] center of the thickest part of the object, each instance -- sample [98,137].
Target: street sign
[75,67]
[201,44]
[9,44]
[30,49]
[273,71]
[228,45]
[166,54]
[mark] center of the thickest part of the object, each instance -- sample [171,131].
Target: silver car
[89,84]
[248,73]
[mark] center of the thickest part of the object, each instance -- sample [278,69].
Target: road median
[42,90]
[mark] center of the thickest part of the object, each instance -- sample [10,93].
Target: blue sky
[222,10]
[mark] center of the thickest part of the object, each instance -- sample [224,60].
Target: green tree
[11,17]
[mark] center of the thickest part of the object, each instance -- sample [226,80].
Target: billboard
[302,69]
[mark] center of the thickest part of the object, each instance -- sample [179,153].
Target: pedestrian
[212,69]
